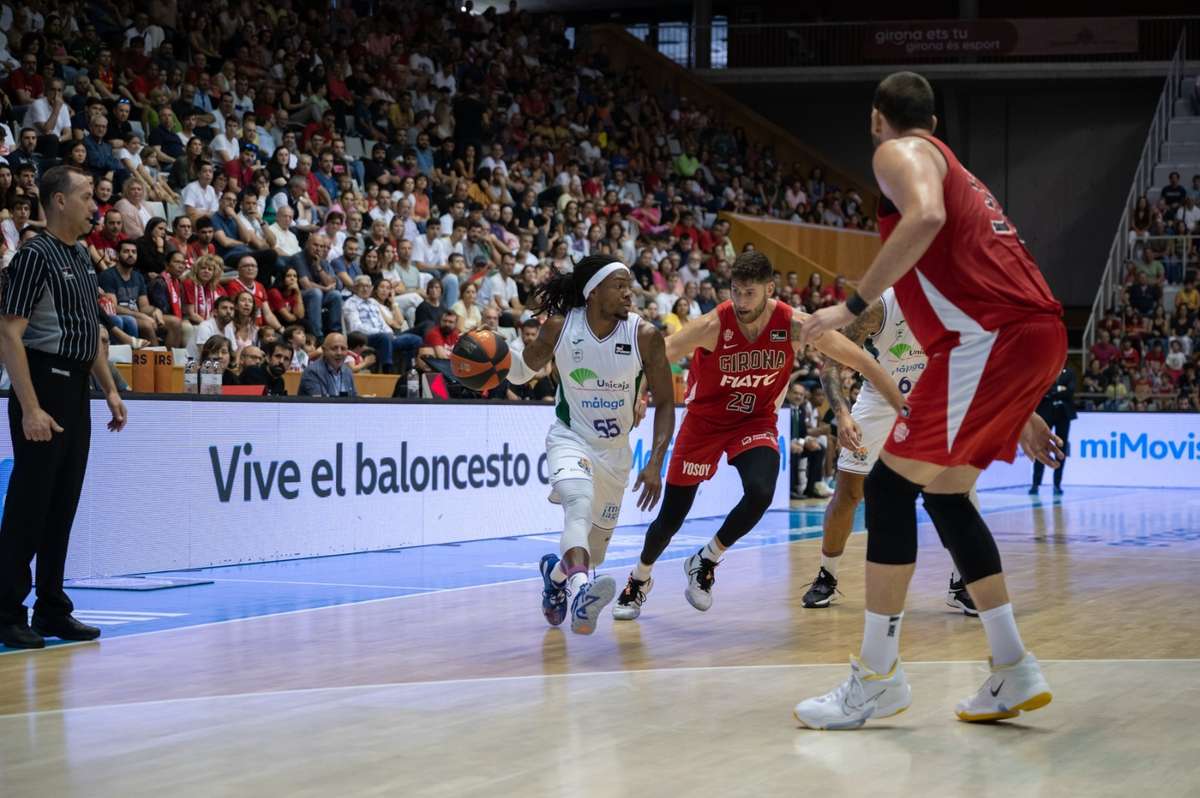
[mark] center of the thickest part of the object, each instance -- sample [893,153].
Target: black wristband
[856,305]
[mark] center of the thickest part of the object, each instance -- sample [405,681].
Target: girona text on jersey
[731,366]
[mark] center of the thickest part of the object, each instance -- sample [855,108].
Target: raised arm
[837,346]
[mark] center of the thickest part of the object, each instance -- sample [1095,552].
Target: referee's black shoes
[19,635]
[64,627]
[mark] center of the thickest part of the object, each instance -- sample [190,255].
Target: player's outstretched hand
[824,320]
[649,480]
[1040,444]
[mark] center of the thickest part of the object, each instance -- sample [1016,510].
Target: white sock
[1003,637]
[830,564]
[881,641]
[712,550]
[575,582]
[641,571]
[557,574]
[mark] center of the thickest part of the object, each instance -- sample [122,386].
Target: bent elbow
[933,219]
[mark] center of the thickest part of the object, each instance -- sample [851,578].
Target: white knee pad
[598,544]
[575,496]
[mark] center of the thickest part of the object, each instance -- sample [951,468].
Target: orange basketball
[480,360]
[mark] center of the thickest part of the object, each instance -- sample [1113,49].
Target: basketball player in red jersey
[978,305]
[742,355]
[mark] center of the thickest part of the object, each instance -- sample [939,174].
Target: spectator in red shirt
[440,340]
[105,239]
[1130,357]
[835,293]
[286,300]
[25,84]
[1104,350]
[202,290]
[247,280]
[202,243]
[687,227]
[241,169]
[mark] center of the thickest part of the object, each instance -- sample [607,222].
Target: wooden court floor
[468,693]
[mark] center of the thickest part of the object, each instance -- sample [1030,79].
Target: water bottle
[210,378]
[413,385]
[191,377]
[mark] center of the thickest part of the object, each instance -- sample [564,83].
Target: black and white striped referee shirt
[53,285]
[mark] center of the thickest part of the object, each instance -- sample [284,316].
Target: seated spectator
[219,323]
[500,290]
[361,313]
[286,243]
[359,356]
[439,341]
[285,299]
[301,346]
[270,374]
[166,295]
[1173,194]
[429,312]
[678,316]
[318,286]
[129,286]
[201,243]
[49,116]
[102,243]
[244,324]
[152,248]
[134,213]
[466,309]
[246,279]
[346,268]
[329,376]
[199,197]
[1151,268]
[1189,296]
[1144,295]
[1104,351]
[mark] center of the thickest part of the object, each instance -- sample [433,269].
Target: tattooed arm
[867,324]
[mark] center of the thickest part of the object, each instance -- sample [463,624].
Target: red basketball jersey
[976,275]
[741,379]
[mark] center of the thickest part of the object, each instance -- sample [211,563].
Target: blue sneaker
[554,595]
[589,602]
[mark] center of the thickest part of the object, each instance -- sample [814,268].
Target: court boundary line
[346,688]
[439,591]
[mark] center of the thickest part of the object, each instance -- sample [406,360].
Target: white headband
[598,277]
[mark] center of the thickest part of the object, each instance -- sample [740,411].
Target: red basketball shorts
[974,399]
[698,446]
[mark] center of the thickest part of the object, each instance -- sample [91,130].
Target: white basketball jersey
[598,379]
[896,349]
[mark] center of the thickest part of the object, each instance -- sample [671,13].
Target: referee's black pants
[43,491]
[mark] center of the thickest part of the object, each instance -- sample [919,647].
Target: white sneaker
[701,574]
[863,696]
[589,602]
[629,603]
[822,490]
[1008,692]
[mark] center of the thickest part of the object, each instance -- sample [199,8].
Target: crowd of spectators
[393,173]
[1147,349]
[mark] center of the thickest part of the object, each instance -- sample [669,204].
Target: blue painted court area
[1150,518]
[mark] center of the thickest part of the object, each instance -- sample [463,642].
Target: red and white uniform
[733,395]
[985,317]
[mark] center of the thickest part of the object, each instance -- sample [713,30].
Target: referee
[49,341]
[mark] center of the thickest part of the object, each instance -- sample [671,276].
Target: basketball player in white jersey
[862,432]
[601,351]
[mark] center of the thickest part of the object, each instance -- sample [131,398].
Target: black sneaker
[629,603]
[822,591]
[958,598]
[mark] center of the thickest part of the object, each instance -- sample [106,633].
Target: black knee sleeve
[964,534]
[891,517]
[759,470]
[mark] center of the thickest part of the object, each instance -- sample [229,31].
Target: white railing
[1111,280]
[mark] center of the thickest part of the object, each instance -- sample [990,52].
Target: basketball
[480,360]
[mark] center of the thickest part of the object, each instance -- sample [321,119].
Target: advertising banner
[953,39]
[191,484]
